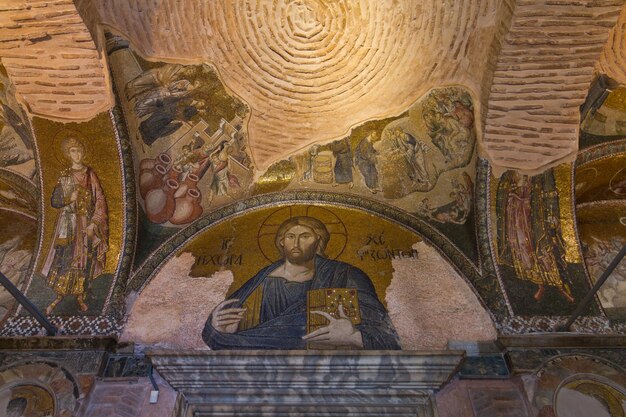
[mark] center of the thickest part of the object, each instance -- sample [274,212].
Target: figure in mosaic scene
[163,101]
[16,142]
[449,118]
[365,160]
[518,239]
[273,310]
[343,162]
[13,198]
[599,253]
[529,234]
[78,250]
[308,166]
[550,242]
[14,263]
[16,407]
[167,117]
[456,211]
[462,194]
[223,180]
[414,152]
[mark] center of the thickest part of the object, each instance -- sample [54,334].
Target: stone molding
[306,383]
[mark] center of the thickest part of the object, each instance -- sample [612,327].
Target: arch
[417,289]
[558,370]
[457,259]
[48,377]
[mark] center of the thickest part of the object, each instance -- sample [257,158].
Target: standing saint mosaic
[82,220]
[530,252]
[78,253]
[534,250]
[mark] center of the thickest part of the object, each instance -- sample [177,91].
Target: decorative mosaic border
[21,181]
[67,326]
[536,360]
[117,305]
[600,151]
[40,225]
[457,259]
[584,324]
[489,286]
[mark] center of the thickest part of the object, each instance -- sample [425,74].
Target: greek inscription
[227,242]
[386,253]
[378,240]
[219,260]
[381,251]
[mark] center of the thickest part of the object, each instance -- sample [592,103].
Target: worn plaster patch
[430,304]
[172,309]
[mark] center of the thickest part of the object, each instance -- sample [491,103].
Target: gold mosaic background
[101,154]
[357,238]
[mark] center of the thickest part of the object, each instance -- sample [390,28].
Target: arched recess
[599,173]
[600,176]
[157,286]
[39,388]
[585,375]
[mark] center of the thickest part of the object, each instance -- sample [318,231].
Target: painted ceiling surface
[376,175]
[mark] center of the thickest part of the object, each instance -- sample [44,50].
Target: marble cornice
[322,383]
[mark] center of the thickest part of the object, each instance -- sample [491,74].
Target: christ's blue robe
[283,310]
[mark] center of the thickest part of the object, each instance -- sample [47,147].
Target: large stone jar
[162,159]
[159,203]
[190,182]
[150,179]
[188,207]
